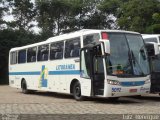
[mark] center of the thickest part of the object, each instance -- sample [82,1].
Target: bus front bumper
[118,91]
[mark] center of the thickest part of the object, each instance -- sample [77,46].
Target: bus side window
[72,48]
[22,56]
[56,50]
[31,54]
[91,38]
[43,53]
[13,58]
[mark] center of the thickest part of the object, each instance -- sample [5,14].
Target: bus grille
[134,83]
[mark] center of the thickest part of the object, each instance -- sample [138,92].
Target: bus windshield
[128,55]
[154,39]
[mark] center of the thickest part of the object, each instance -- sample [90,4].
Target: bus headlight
[147,81]
[113,82]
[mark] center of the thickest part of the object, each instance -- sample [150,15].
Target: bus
[154,62]
[85,63]
[152,38]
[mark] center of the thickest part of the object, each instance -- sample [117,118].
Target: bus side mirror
[152,49]
[106,44]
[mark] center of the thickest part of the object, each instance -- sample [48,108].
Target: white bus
[95,63]
[152,46]
[151,38]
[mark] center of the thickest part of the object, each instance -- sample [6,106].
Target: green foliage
[24,13]
[155,29]
[60,16]
[3,9]
[110,6]
[156,17]
[51,15]
[136,15]
[8,40]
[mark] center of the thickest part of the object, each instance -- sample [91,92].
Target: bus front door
[91,66]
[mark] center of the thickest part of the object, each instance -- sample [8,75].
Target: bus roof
[70,35]
[150,35]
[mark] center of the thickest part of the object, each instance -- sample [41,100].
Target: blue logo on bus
[43,77]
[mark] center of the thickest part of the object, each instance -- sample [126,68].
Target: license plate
[133,90]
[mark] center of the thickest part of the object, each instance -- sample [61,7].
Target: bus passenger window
[91,38]
[22,56]
[13,58]
[43,53]
[31,54]
[56,50]
[72,48]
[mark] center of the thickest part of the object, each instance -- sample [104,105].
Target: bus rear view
[122,71]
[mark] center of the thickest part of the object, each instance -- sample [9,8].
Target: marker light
[147,81]
[104,35]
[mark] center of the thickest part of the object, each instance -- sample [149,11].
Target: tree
[61,16]
[3,10]
[10,39]
[51,15]
[24,13]
[155,27]
[110,9]
[134,15]
[87,15]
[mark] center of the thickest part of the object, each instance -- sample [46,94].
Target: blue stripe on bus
[68,72]
[25,73]
[134,83]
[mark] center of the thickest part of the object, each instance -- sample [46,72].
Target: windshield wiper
[142,52]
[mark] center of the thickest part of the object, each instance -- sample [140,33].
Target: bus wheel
[77,91]
[113,99]
[24,87]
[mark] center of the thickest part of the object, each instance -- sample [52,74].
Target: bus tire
[113,99]
[77,91]
[24,87]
